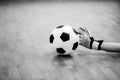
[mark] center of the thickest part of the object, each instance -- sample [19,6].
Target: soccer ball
[64,39]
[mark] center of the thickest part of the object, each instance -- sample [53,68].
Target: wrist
[95,44]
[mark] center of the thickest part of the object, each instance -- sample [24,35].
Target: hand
[84,37]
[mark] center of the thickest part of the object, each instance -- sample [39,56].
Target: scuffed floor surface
[25,52]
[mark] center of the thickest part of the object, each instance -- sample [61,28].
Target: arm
[89,42]
[112,47]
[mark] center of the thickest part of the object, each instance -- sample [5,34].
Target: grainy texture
[25,52]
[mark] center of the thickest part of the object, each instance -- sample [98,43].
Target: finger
[75,30]
[88,32]
[81,31]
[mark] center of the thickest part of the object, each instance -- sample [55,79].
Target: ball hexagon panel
[75,45]
[65,36]
[51,38]
[60,50]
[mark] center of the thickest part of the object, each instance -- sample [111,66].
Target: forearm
[112,47]
[107,46]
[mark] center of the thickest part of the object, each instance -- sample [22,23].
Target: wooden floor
[25,52]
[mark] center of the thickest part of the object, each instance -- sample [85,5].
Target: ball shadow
[63,57]
[60,59]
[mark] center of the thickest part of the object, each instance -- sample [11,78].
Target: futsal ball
[64,39]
